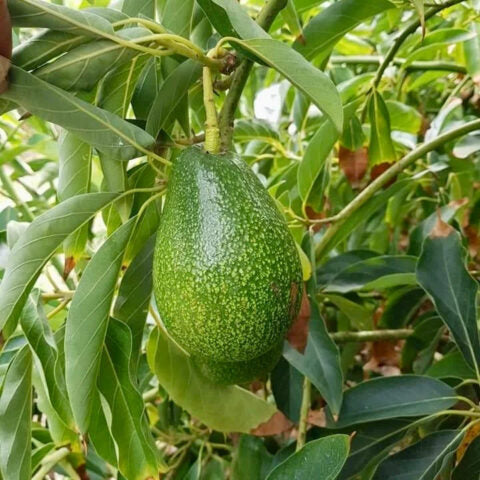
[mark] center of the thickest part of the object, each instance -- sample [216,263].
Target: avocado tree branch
[410,28]
[371,335]
[304,409]
[265,19]
[418,65]
[387,176]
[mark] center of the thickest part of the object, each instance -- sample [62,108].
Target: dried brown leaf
[277,424]
[354,164]
[298,333]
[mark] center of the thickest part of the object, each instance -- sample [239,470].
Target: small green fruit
[227,275]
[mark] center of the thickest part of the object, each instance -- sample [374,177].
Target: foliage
[362,120]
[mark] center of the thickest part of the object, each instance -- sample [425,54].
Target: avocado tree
[239,239]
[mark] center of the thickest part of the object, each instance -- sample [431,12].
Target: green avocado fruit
[227,275]
[228,373]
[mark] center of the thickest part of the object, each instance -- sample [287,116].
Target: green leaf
[368,274]
[37,245]
[177,17]
[223,408]
[134,295]
[139,8]
[231,20]
[292,19]
[469,466]
[16,418]
[330,25]
[97,127]
[442,273]
[452,365]
[170,95]
[251,459]
[420,8]
[320,362]
[403,117]
[471,50]
[303,75]
[315,158]
[37,13]
[254,129]
[41,48]
[370,441]
[137,454]
[87,323]
[82,67]
[287,389]
[75,164]
[401,306]
[381,149]
[49,379]
[391,397]
[322,458]
[424,460]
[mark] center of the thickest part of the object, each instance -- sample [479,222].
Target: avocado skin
[229,373]
[227,276]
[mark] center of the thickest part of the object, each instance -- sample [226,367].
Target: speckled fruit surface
[227,373]
[227,277]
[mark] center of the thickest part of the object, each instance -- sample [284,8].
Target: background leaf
[16,418]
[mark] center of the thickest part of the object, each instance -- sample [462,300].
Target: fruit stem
[305,408]
[212,132]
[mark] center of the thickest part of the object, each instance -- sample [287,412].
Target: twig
[413,66]
[371,335]
[304,409]
[411,28]
[50,461]
[265,19]
[389,175]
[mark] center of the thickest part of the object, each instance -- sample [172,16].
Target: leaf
[39,49]
[87,323]
[9,350]
[137,454]
[251,459]
[370,273]
[321,362]
[424,460]
[84,66]
[231,20]
[97,127]
[169,96]
[471,50]
[222,408]
[37,245]
[391,397]
[177,18]
[381,149]
[37,13]
[139,8]
[315,158]
[442,273]
[5,45]
[75,164]
[420,8]
[330,25]
[16,418]
[322,458]
[134,295]
[452,365]
[369,441]
[303,75]
[469,466]
[403,117]
[49,379]
[287,388]
[254,129]
[292,19]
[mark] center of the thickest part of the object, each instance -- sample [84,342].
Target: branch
[265,19]
[413,66]
[50,461]
[371,336]
[411,28]
[389,175]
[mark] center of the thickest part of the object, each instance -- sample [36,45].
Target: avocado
[227,276]
[228,373]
